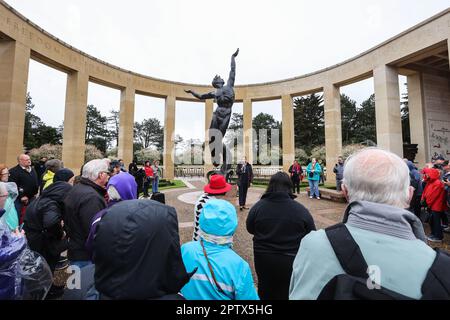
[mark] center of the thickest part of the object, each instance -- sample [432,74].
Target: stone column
[75,121]
[387,109]
[417,120]
[169,135]
[288,131]
[333,128]
[126,124]
[248,131]
[14,61]
[209,109]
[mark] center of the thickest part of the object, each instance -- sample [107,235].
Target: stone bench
[329,194]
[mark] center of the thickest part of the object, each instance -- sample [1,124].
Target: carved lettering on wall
[439,132]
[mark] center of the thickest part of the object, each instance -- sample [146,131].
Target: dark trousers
[435,224]
[147,183]
[274,275]
[295,185]
[338,185]
[415,206]
[243,188]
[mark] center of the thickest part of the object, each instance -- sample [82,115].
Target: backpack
[355,283]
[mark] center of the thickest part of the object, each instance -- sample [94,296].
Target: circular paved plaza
[325,213]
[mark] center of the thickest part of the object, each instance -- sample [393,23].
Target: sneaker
[318,198]
[434,239]
[310,197]
[447,230]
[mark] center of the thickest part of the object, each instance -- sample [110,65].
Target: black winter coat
[42,223]
[27,182]
[278,224]
[137,254]
[82,203]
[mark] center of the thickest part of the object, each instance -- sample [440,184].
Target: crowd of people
[129,248]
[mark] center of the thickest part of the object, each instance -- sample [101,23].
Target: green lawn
[302,185]
[173,185]
[166,185]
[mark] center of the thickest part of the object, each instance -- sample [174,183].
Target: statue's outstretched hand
[236,53]
[188,91]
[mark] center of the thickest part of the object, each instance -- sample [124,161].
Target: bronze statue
[224,97]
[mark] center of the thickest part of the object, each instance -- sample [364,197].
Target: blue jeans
[155,184]
[314,188]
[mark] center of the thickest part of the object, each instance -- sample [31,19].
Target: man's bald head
[379,176]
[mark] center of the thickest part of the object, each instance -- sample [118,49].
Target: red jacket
[434,192]
[148,171]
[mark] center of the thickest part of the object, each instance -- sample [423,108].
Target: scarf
[220,240]
[384,219]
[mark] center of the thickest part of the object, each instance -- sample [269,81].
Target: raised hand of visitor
[236,53]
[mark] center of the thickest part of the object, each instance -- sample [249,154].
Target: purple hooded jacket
[126,186]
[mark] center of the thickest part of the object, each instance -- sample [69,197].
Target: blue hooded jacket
[218,223]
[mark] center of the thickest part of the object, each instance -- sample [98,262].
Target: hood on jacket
[278,196]
[218,218]
[411,165]
[137,251]
[57,191]
[125,184]
[433,174]
[13,192]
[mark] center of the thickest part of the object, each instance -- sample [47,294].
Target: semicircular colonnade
[22,40]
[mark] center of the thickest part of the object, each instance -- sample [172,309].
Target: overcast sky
[191,41]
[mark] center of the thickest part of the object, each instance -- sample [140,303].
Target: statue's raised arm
[233,69]
[209,95]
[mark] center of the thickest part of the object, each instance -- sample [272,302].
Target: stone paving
[325,213]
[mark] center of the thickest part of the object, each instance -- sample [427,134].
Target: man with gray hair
[379,238]
[82,203]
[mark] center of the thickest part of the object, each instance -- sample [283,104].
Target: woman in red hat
[215,189]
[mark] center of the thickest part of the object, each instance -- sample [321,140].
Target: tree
[96,128]
[263,124]
[235,134]
[365,122]
[113,123]
[348,118]
[149,132]
[36,132]
[237,121]
[309,124]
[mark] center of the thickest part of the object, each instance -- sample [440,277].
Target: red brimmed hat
[217,185]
